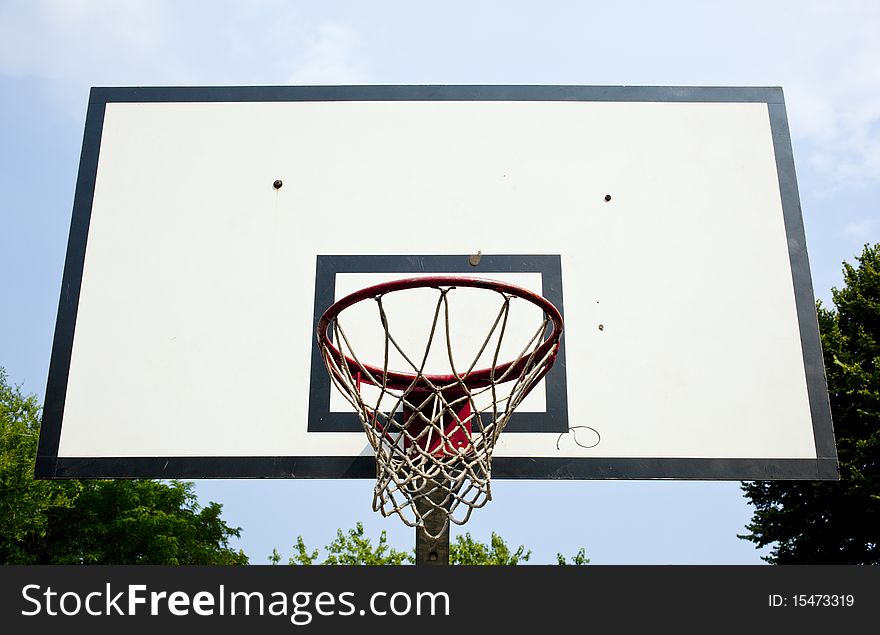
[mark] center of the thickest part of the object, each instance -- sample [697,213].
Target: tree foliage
[139,522]
[826,522]
[464,550]
[96,522]
[25,504]
[354,548]
[580,558]
[349,548]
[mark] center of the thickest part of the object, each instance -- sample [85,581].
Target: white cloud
[70,45]
[833,93]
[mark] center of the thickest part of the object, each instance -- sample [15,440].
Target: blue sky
[825,55]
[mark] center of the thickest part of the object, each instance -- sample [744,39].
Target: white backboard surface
[663,222]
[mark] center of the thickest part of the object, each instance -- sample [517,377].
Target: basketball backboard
[212,226]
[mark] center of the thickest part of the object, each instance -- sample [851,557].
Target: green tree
[301,555]
[349,548]
[828,522]
[467,551]
[580,558]
[96,522]
[354,548]
[25,503]
[140,522]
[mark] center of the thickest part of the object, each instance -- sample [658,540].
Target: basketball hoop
[433,434]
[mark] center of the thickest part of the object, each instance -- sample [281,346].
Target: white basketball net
[433,443]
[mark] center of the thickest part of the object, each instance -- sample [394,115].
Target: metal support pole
[429,550]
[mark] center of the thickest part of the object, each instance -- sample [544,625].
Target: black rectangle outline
[50,465]
[503,467]
[805,304]
[68,303]
[427,92]
[553,419]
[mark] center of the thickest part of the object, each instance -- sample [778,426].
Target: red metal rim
[475,379]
